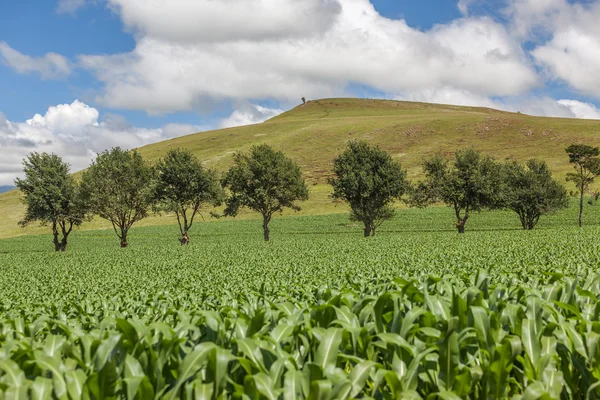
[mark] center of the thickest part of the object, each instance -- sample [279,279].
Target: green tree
[118,187]
[369,180]
[531,191]
[265,181]
[471,184]
[587,167]
[51,196]
[184,186]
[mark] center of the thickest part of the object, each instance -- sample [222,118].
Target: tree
[51,196]
[118,186]
[369,180]
[587,167]
[184,186]
[472,183]
[266,181]
[531,192]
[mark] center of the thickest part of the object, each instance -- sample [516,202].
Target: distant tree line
[123,188]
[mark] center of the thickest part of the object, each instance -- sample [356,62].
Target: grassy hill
[314,133]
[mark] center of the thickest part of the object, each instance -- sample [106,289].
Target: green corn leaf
[52,365]
[192,363]
[105,351]
[292,385]
[359,375]
[264,386]
[326,356]
[320,390]
[203,391]
[41,389]
[449,359]
[531,344]
[75,381]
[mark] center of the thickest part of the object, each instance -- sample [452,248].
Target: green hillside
[314,133]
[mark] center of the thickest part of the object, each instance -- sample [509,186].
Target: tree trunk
[185,239]
[55,233]
[461,221]
[460,225]
[184,226]
[367,231]
[63,244]
[266,220]
[581,210]
[123,238]
[57,246]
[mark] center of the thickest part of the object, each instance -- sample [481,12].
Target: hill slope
[314,133]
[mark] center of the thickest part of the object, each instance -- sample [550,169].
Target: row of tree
[370,181]
[123,188]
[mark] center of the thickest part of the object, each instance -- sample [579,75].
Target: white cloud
[184,21]
[531,17]
[581,110]
[49,66]
[74,132]
[574,57]
[447,95]
[181,64]
[249,114]
[567,36]
[532,105]
[69,6]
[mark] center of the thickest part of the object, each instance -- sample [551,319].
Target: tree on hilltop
[265,181]
[369,180]
[51,196]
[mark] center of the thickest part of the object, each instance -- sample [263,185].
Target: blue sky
[143,72]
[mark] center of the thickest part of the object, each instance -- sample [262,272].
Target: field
[315,133]
[319,313]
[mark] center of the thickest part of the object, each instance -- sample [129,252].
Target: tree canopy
[472,183]
[119,187]
[531,192]
[184,186]
[265,181]
[51,196]
[369,180]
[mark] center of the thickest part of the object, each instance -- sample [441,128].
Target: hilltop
[314,133]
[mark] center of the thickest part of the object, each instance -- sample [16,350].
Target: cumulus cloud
[184,21]
[74,132]
[533,105]
[580,109]
[574,57]
[181,64]
[49,66]
[567,35]
[447,95]
[249,114]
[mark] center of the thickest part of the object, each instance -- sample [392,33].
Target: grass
[315,133]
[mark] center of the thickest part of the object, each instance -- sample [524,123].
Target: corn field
[407,316]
